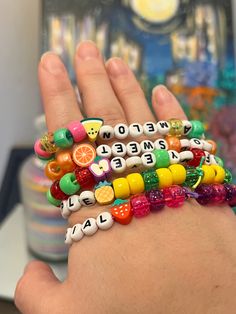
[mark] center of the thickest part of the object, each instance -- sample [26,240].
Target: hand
[176,261]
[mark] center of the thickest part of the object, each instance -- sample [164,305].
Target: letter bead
[133,162]
[118,149]
[207,146]
[104,151]
[87,198]
[186,156]
[187,127]
[104,221]
[68,239]
[163,127]
[196,143]
[160,143]
[135,129]
[207,158]
[118,164]
[65,212]
[121,131]
[133,149]
[106,132]
[148,159]
[89,227]
[174,157]
[147,146]
[76,232]
[73,203]
[185,144]
[149,128]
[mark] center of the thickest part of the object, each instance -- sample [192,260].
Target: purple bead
[155,199]
[174,196]
[230,194]
[219,194]
[205,192]
[140,206]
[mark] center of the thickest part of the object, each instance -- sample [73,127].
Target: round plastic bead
[176,127]
[228,176]
[52,200]
[174,196]
[150,179]
[162,158]
[178,173]
[147,146]
[106,132]
[186,156]
[76,232]
[136,183]
[63,138]
[173,143]
[68,239]
[192,176]
[85,178]
[148,159]
[197,156]
[163,127]
[135,129]
[185,144]
[64,209]
[56,192]
[207,158]
[121,188]
[214,147]
[155,199]
[197,129]
[133,149]
[73,203]
[160,143]
[219,161]
[174,157]
[140,206]
[149,128]
[65,161]
[104,221]
[218,193]
[89,227]
[104,151]
[118,149]
[219,174]
[53,171]
[187,126]
[121,131]
[68,184]
[118,164]
[206,146]
[165,177]
[230,194]
[208,174]
[87,198]
[133,162]
[196,143]
[77,131]
[40,152]
[205,193]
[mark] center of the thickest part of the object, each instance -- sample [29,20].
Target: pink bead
[77,130]
[174,196]
[140,206]
[39,151]
[219,193]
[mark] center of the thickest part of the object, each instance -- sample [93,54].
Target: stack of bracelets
[176,164]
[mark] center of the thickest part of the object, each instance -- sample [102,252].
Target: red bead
[56,191]
[140,206]
[218,194]
[197,156]
[174,196]
[85,178]
[205,193]
[230,194]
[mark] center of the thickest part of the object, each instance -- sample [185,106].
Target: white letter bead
[213,160]
[147,146]
[87,198]
[163,127]
[64,210]
[68,239]
[160,143]
[104,221]
[174,157]
[148,159]
[208,158]
[76,232]
[135,129]
[89,227]
[207,146]
[104,151]
[121,131]
[187,126]
[118,149]
[106,132]
[133,162]
[149,128]
[133,149]
[73,203]
[185,144]
[186,156]
[118,164]
[196,143]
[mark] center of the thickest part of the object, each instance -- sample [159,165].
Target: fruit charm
[104,193]
[100,168]
[92,127]
[121,211]
[83,155]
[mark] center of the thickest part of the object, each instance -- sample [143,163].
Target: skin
[176,261]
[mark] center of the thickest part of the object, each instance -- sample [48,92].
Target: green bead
[219,161]
[63,138]
[176,127]
[228,176]
[197,129]
[68,184]
[150,179]
[192,176]
[52,200]
[162,158]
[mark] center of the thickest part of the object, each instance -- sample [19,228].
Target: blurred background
[186,44]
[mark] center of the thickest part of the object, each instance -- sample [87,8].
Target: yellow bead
[219,174]
[176,127]
[121,188]
[178,173]
[136,183]
[165,177]
[208,174]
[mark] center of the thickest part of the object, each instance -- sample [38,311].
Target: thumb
[36,288]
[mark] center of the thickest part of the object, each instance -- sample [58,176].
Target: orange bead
[53,170]
[65,161]
[173,143]
[214,147]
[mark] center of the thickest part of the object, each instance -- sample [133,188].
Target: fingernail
[87,50]
[52,63]
[160,94]
[116,67]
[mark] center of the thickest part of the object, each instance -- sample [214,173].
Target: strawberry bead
[140,206]
[121,211]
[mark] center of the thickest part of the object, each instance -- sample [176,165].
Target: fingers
[36,289]
[58,95]
[128,92]
[165,105]
[98,97]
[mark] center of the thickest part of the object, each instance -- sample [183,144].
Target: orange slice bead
[83,155]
